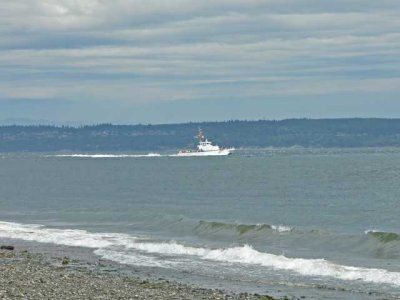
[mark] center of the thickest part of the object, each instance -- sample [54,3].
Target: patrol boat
[205,148]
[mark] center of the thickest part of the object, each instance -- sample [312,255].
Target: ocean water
[320,223]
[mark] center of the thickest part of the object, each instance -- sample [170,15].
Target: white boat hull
[223,152]
[205,148]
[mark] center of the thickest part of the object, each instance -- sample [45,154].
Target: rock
[22,278]
[4,247]
[65,261]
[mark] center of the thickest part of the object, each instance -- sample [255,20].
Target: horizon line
[60,125]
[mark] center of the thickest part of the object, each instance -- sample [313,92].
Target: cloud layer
[138,53]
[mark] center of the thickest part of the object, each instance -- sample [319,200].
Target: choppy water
[311,220]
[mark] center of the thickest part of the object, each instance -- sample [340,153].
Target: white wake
[107,155]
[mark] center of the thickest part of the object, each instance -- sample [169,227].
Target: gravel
[24,275]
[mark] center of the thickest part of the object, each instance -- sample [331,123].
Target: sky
[167,61]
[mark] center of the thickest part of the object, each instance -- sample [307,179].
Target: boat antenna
[200,135]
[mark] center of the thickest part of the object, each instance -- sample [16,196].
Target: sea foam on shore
[132,250]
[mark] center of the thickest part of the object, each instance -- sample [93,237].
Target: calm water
[319,223]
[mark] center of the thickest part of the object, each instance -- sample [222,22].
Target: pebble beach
[26,275]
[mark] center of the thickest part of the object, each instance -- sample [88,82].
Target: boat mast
[200,135]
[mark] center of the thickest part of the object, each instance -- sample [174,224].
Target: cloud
[147,51]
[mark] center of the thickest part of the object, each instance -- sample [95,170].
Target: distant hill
[285,133]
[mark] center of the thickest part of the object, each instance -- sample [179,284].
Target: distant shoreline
[307,133]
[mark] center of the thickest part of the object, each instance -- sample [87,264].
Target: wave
[248,255]
[107,155]
[382,236]
[242,229]
[128,249]
[67,237]
[136,259]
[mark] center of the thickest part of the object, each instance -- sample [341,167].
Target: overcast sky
[164,61]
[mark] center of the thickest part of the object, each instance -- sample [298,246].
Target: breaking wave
[382,236]
[67,237]
[242,229]
[127,249]
[248,255]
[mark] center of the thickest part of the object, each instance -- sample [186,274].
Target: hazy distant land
[248,134]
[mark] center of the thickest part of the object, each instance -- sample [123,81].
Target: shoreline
[27,275]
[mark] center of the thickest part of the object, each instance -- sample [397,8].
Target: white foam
[107,155]
[281,228]
[368,231]
[134,259]
[247,255]
[68,237]
[107,245]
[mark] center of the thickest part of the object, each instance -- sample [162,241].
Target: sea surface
[319,223]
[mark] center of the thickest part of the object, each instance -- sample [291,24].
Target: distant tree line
[285,133]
